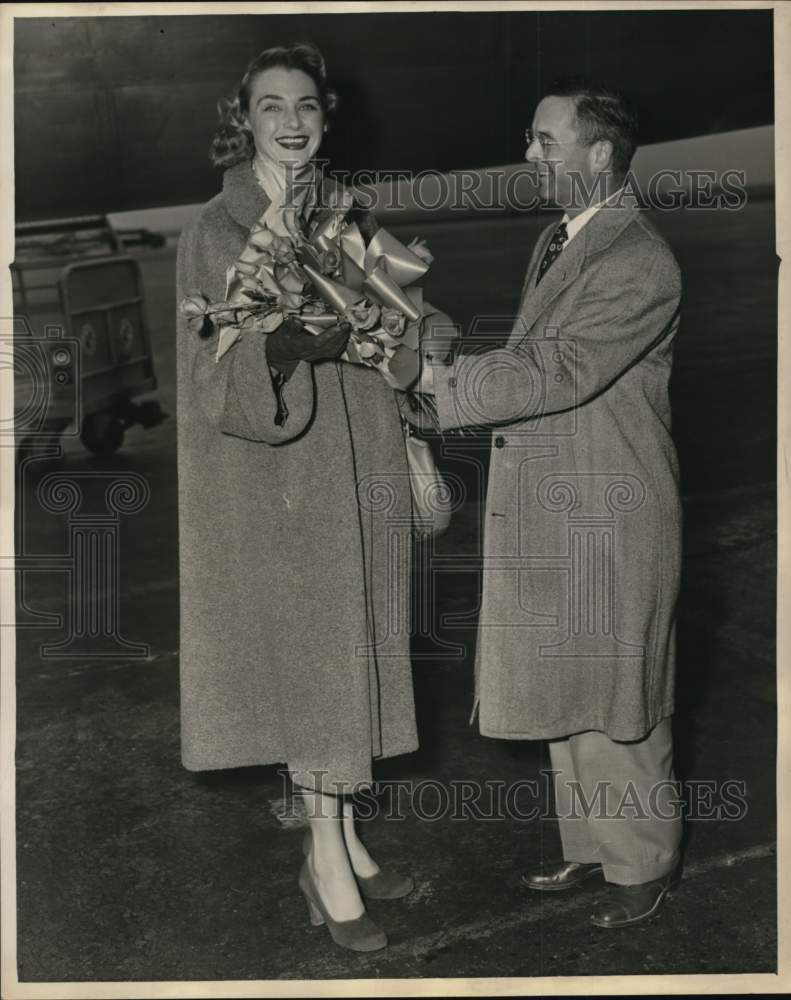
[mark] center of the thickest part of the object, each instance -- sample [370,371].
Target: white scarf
[287,189]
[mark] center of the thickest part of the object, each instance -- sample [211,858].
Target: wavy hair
[602,113]
[233,140]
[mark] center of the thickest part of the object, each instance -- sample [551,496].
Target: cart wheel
[102,433]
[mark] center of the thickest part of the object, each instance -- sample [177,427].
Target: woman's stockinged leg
[361,861]
[328,861]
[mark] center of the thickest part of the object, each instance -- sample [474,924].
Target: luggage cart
[81,344]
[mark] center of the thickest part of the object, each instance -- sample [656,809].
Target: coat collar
[598,234]
[244,196]
[247,201]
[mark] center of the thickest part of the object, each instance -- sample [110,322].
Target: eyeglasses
[541,138]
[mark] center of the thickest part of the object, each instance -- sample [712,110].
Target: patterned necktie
[552,252]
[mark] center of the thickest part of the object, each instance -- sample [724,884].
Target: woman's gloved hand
[292,343]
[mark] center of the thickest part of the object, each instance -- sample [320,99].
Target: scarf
[290,192]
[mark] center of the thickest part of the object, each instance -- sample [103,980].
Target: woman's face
[286,116]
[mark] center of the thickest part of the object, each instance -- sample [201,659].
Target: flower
[257,279]
[289,277]
[362,315]
[282,250]
[366,345]
[261,238]
[194,305]
[329,261]
[196,308]
[393,321]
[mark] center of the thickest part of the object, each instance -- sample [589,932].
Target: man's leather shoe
[629,904]
[564,876]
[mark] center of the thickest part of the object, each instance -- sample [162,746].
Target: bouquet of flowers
[320,275]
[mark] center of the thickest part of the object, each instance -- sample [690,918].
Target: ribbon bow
[382,270]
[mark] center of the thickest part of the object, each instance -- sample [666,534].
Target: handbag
[432,499]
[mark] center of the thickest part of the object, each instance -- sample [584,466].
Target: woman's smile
[286,116]
[293,141]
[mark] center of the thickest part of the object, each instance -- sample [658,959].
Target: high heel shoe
[382,885]
[360,934]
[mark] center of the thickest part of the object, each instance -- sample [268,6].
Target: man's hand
[292,343]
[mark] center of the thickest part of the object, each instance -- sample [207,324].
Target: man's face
[558,156]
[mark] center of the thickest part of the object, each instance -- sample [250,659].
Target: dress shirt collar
[574,225]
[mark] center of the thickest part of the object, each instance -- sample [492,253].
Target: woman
[287,589]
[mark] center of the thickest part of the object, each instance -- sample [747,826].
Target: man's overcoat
[582,528]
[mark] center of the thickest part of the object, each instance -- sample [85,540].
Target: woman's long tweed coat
[294,544]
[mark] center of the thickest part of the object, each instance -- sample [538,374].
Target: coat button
[499,441]
[452,383]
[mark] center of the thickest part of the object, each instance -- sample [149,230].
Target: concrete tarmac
[131,868]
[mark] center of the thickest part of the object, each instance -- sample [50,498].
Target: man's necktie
[552,252]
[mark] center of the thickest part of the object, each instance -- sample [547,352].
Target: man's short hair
[602,113]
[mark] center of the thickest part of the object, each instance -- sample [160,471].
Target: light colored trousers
[618,803]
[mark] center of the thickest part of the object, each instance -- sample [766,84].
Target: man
[582,529]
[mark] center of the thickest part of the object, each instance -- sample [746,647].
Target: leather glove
[292,343]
